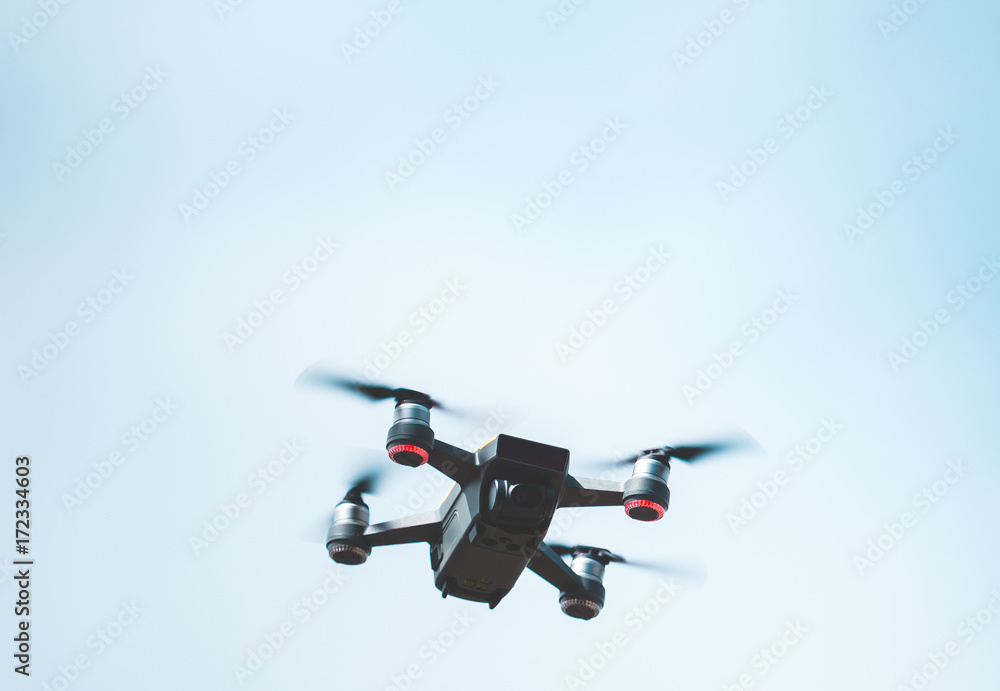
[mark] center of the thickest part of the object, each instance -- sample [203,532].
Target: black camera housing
[516,506]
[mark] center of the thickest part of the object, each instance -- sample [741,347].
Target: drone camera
[518,504]
[350,520]
[410,438]
[645,494]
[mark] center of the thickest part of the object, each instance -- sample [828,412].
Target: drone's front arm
[456,463]
[584,491]
[423,527]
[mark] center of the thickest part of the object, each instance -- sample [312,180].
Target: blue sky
[578,221]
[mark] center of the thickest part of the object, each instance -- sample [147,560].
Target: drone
[493,522]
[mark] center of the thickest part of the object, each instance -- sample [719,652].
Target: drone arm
[456,463]
[583,491]
[423,527]
[553,569]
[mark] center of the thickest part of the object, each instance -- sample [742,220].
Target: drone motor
[645,494]
[350,520]
[587,602]
[410,438]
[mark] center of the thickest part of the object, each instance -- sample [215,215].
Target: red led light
[644,504]
[408,448]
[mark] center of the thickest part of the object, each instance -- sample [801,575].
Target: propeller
[598,553]
[608,557]
[373,392]
[365,484]
[688,453]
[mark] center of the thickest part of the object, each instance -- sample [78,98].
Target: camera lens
[514,506]
[526,495]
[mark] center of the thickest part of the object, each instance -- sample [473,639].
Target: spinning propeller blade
[373,392]
[688,453]
[364,485]
[599,553]
[608,557]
